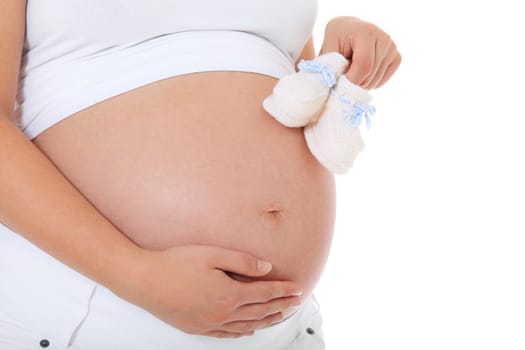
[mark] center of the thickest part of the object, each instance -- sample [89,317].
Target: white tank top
[80,52]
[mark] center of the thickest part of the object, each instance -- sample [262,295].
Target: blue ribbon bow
[358,113]
[328,77]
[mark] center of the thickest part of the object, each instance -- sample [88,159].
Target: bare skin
[168,171]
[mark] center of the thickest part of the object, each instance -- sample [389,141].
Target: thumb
[240,263]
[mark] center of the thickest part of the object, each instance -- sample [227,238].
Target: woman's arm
[37,201]
[184,286]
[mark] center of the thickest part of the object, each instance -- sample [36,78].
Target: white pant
[46,305]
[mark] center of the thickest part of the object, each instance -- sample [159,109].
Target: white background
[429,246]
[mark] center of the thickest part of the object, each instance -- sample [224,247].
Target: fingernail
[263,266]
[297,292]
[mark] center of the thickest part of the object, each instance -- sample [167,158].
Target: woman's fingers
[243,266]
[362,61]
[239,262]
[389,62]
[224,334]
[390,70]
[264,291]
[251,317]
[189,287]
[260,311]
[372,53]
[246,327]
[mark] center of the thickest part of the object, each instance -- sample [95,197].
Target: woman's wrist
[126,270]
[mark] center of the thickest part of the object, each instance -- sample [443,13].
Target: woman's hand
[188,288]
[372,54]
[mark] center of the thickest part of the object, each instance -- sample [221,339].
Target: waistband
[51,92]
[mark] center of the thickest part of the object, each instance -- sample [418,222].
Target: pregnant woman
[147,201]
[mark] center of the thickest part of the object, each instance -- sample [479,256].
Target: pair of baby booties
[329,107]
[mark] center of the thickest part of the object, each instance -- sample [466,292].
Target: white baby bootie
[297,98]
[335,138]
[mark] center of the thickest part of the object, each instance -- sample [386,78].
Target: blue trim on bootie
[328,77]
[359,112]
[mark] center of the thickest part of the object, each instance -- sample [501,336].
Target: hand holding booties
[329,106]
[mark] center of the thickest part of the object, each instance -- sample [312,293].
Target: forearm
[39,203]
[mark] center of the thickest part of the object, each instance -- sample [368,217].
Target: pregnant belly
[194,159]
